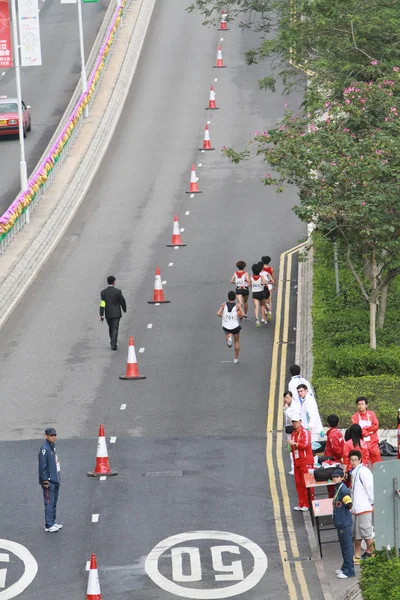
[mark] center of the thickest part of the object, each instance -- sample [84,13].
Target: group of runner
[262,282]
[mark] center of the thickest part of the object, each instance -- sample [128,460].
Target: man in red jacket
[303,460]
[334,439]
[369,424]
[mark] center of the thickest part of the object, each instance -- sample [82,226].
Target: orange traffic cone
[176,234]
[158,296]
[207,141]
[102,465]
[219,64]
[222,26]
[93,586]
[193,186]
[211,103]
[132,370]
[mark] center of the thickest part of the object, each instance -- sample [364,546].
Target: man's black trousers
[113,325]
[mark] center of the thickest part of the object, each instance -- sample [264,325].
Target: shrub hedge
[380,577]
[344,365]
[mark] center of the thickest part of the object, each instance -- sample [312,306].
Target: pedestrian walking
[231,314]
[303,460]
[369,424]
[343,522]
[242,281]
[362,492]
[111,302]
[50,479]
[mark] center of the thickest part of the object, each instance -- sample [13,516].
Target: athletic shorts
[258,296]
[266,292]
[362,526]
[242,292]
[232,331]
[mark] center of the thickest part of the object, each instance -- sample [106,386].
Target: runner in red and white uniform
[269,271]
[231,314]
[242,281]
[258,282]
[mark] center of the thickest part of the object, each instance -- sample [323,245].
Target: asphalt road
[48,88]
[190,446]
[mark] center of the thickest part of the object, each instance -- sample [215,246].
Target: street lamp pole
[22,162]
[82,49]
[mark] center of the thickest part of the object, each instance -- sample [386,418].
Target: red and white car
[9,116]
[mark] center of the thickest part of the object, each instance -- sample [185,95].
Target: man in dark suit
[111,303]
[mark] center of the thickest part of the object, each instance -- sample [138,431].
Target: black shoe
[114,348]
[366,555]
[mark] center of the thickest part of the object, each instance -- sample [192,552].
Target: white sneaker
[297,508]
[341,575]
[245,316]
[51,529]
[338,571]
[291,472]
[304,509]
[235,361]
[58,525]
[229,341]
[263,321]
[258,323]
[269,316]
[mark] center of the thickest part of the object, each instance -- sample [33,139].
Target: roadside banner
[29,33]
[5,36]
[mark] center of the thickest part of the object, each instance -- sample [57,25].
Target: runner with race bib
[242,281]
[231,312]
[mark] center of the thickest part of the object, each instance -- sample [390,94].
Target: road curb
[23,273]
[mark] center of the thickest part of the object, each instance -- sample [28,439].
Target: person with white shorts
[231,313]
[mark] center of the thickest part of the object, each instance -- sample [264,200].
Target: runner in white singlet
[269,271]
[231,314]
[258,282]
[242,281]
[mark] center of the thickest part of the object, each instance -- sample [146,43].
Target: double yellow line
[276,472]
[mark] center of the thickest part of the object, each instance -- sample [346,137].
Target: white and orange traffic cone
[102,465]
[158,295]
[220,63]
[223,26]
[207,141]
[176,234]
[132,369]
[93,586]
[193,186]
[211,102]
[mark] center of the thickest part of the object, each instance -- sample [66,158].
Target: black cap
[50,431]
[338,472]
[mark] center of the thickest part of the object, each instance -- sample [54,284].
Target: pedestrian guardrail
[18,213]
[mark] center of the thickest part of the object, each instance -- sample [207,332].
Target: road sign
[196,565]
[30,567]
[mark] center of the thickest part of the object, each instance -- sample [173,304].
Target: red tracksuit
[371,432]
[303,460]
[334,444]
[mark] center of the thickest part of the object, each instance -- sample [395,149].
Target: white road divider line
[122,407]
[113,439]
[141,350]
[149,325]
[200,165]
[170,264]
[187,212]
[87,568]
[103,478]
[182,229]
[95,518]
[192,195]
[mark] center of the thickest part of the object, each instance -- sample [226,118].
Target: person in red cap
[50,479]
[369,424]
[303,460]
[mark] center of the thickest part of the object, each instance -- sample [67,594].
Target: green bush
[339,395]
[380,577]
[360,360]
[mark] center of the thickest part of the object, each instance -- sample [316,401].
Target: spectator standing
[369,424]
[290,406]
[334,439]
[303,460]
[343,522]
[50,479]
[362,491]
[297,379]
[111,302]
[355,442]
[310,413]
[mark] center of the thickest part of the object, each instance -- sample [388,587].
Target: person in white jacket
[309,413]
[363,505]
[297,379]
[290,407]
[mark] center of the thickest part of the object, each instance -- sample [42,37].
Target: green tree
[346,166]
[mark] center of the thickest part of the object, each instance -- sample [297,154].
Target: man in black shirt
[111,303]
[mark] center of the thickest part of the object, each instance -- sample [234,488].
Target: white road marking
[95,518]
[149,325]
[30,568]
[176,247]
[192,195]
[220,569]
[103,477]
[122,407]
[113,439]
[202,150]
[156,304]
[208,122]
[170,264]
[182,229]
[187,212]
[88,565]
[141,350]
[222,39]
[226,361]
[216,79]
[200,165]
[3,73]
